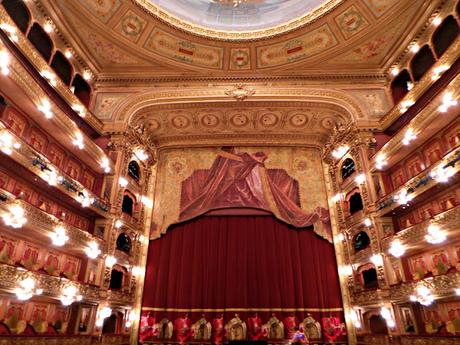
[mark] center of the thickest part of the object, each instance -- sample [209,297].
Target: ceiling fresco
[248,15]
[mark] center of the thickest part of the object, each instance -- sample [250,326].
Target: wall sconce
[50,76]
[394,71]
[403,198]
[386,314]
[408,136]
[105,164]
[367,222]
[69,295]
[27,289]
[10,30]
[92,251]
[59,236]
[110,260]
[4,62]
[118,224]
[7,143]
[422,295]
[84,199]
[137,271]
[447,102]
[78,108]
[397,249]
[141,155]
[45,108]
[442,175]
[78,141]
[380,162]
[435,234]
[405,105]
[346,270]
[337,197]
[360,179]
[130,319]
[340,152]
[437,71]
[354,317]
[377,259]
[103,314]
[122,182]
[146,201]
[15,216]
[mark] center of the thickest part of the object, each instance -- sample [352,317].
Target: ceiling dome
[238,19]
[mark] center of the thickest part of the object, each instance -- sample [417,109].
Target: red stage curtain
[241,264]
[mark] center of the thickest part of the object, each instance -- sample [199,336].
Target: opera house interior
[229,172]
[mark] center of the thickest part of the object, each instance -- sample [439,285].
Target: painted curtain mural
[288,182]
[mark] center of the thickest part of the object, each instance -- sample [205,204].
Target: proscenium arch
[127,108]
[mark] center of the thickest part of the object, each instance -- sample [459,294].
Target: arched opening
[124,243]
[134,170]
[348,168]
[399,86]
[361,241]
[445,35]
[422,62]
[116,278]
[41,41]
[356,203]
[370,280]
[81,89]
[127,205]
[378,325]
[19,12]
[110,325]
[62,67]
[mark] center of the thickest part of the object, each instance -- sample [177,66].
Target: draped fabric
[241,180]
[216,265]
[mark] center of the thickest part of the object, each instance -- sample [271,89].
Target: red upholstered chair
[4,329]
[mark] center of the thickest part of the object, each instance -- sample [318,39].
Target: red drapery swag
[241,180]
[245,264]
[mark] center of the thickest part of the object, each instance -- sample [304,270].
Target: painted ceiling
[248,15]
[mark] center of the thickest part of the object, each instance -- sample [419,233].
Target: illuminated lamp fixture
[337,197]
[437,71]
[377,259]
[360,179]
[146,201]
[7,143]
[103,314]
[410,85]
[346,270]
[340,237]
[50,76]
[84,199]
[45,108]
[15,216]
[403,198]
[10,30]
[59,236]
[78,141]
[53,177]
[386,314]
[394,71]
[409,136]
[340,152]
[442,175]
[105,164]
[457,292]
[26,289]
[131,318]
[437,21]
[110,260]
[86,75]
[354,317]
[69,295]
[397,249]
[447,102]
[422,295]
[137,271]
[92,251]
[118,224]
[123,182]
[367,222]
[80,109]
[48,27]
[68,54]
[233,3]
[142,238]
[380,162]
[435,235]
[415,48]
[141,155]
[405,105]
[4,62]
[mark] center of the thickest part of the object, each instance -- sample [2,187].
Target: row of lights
[45,105]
